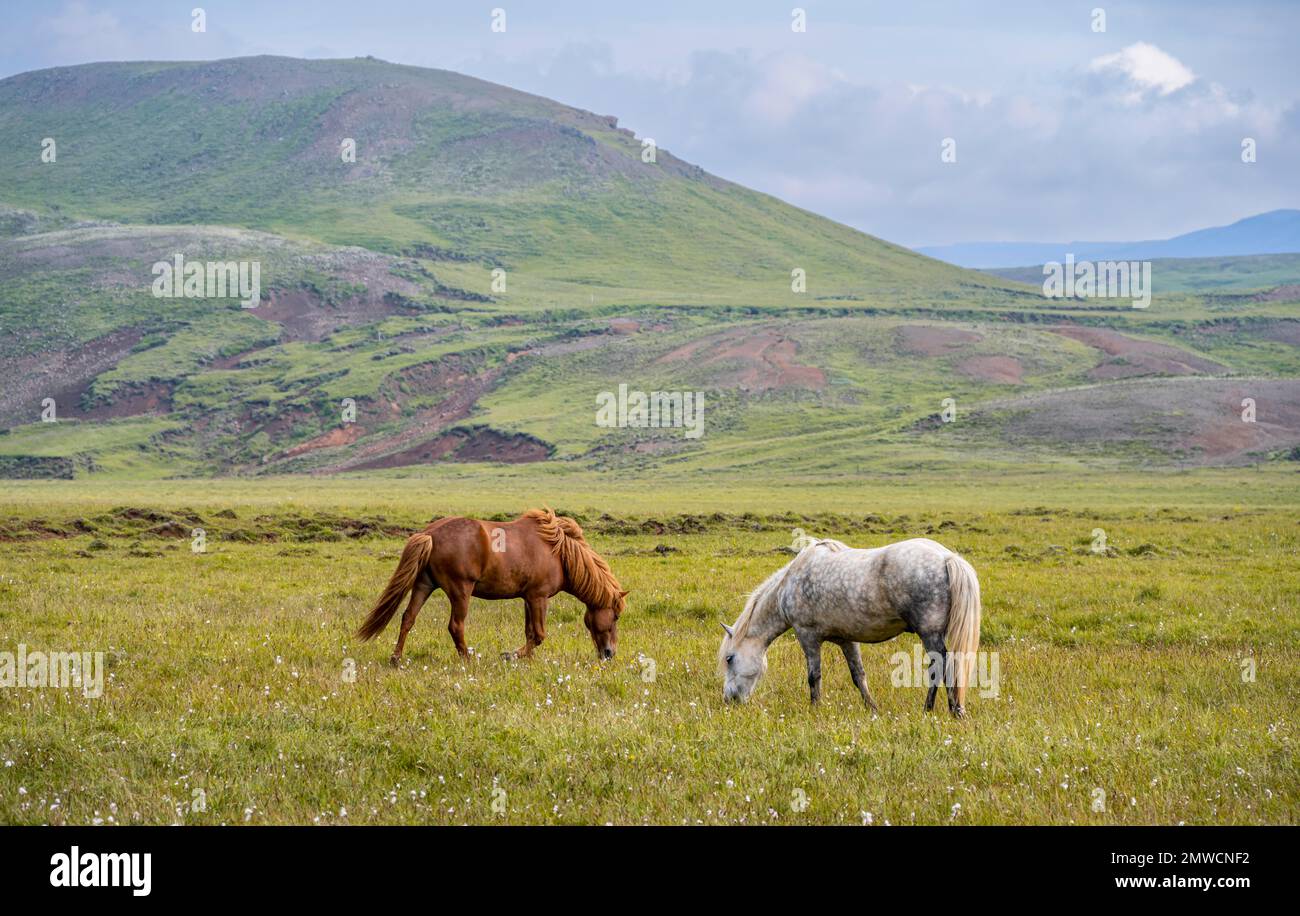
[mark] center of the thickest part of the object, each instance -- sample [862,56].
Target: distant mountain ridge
[1275,232]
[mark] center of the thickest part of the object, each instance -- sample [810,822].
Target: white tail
[963,635]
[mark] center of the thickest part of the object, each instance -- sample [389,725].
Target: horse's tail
[963,634]
[414,555]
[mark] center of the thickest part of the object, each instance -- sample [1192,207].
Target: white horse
[833,592]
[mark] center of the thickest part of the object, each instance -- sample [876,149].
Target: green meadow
[1144,679]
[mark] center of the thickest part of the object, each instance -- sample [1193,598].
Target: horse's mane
[592,580]
[766,591]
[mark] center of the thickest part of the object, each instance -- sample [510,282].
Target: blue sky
[1061,132]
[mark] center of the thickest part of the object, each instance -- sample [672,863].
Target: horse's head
[743,662]
[602,624]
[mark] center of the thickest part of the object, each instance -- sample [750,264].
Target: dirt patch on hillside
[64,375]
[1226,437]
[428,435]
[1002,370]
[1187,421]
[1287,332]
[463,379]
[131,401]
[305,316]
[1289,292]
[749,360]
[933,340]
[1129,357]
[454,373]
[633,326]
[563,347]
[1281,330]
[335,438]
[477,444]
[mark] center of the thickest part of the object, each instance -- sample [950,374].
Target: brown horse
[533,557]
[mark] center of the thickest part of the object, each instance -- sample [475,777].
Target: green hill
[463,172]
[491,263]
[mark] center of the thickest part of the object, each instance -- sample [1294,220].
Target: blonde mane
[592,580]
[766,591]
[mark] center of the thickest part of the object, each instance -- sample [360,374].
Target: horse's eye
[731,658]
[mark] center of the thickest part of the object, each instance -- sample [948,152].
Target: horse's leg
[526,649]
[534,627]
[459,595]
[853,656]
[535,631]
[419,594]
[936,654]
[812,650]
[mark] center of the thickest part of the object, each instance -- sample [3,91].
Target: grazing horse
[533,557]
[832,592]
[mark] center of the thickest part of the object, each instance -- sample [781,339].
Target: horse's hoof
[395,661]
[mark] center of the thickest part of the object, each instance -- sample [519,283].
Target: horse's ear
[730,631]
[624,593]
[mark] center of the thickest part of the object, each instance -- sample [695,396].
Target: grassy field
[235,692]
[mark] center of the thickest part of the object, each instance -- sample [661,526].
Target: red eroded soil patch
[463,380]
[1281,330]
[933,340]
[343,435]
[464,445]
[1287,332]
[1222,436]
[304,316]
[1130,356]
[754,361]
[1005,370]
[1173,421]
[562,347]
[66,376]
[132,401]
[1289,292]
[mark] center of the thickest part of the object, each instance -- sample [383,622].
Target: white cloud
[787,83]
[1053,157]
[1147,67]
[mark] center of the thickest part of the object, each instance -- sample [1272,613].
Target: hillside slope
[378,339]
[448,167]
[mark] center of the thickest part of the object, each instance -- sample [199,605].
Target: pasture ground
[1125,693]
